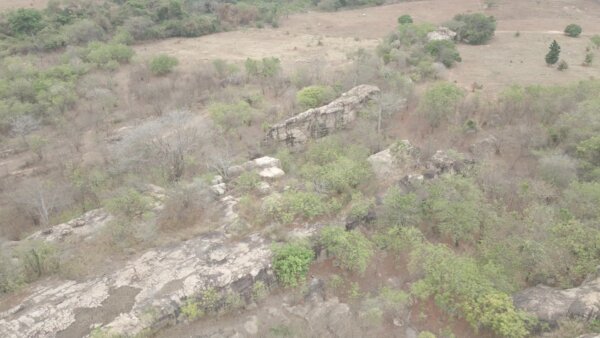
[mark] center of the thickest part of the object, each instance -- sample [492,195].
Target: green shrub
[440,102]
[11,277]
[128,203]
[108,55]
[294,204]
[230,116]
[291,262]
[573,30]
[162,64]
[443,51]
[400,209]
[351,249]
[360,206]
[265,68]
[474,29]
[596,40]
[454,206]
[459,286]
[314,96]
[426,334]
[25,21]
[247,181]
[335,167]
[404,19]
[38,259]
[84,31]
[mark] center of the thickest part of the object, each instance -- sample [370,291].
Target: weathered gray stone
[550,304]
[156,283]
[318,122]
[271,173]
[82,227]
[263,188]
[219,189]
[441,33]
[486,147]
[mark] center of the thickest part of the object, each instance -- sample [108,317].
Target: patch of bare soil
[506,60]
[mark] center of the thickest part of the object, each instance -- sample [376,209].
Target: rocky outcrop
[550,304]
[441,33]
[319,122]
[146,293]
[402,161]
[260,165]
[83,227]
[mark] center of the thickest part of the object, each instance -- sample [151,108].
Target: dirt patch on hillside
[330,37]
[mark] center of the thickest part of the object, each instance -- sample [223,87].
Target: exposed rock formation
[550,304]
[83,227]
[319,122]
[259,164]
[402,161]
[146,293]
[441,33]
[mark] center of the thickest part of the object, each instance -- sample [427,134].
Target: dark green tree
[553,54]
[25,21]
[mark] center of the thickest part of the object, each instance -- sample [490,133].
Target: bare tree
[41,199]
[162,143]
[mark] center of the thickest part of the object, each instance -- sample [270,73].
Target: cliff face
[319,122]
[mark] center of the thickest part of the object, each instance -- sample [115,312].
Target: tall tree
[553,54]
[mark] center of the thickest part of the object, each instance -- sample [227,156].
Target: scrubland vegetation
[523,215]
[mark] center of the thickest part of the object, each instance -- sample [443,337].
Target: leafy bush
[400,209]
[38,259]
[454,206]
[573,30]
[314,96]
[108,55]
[443,51]
[11,277]
[291,262]
[293,204]
[265,68]
[335,167]
[84,31]
[459,286]
[596,40]
[474,29]
[559,170]
[351,249]
[247,181]
[162,64]
[25,21]
[231,115]
[404,19]
[128,203]
[440,102]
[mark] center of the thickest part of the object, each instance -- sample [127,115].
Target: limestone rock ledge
[146,293]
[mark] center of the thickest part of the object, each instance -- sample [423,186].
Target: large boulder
[399,160]
[551,304]
[319,122]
